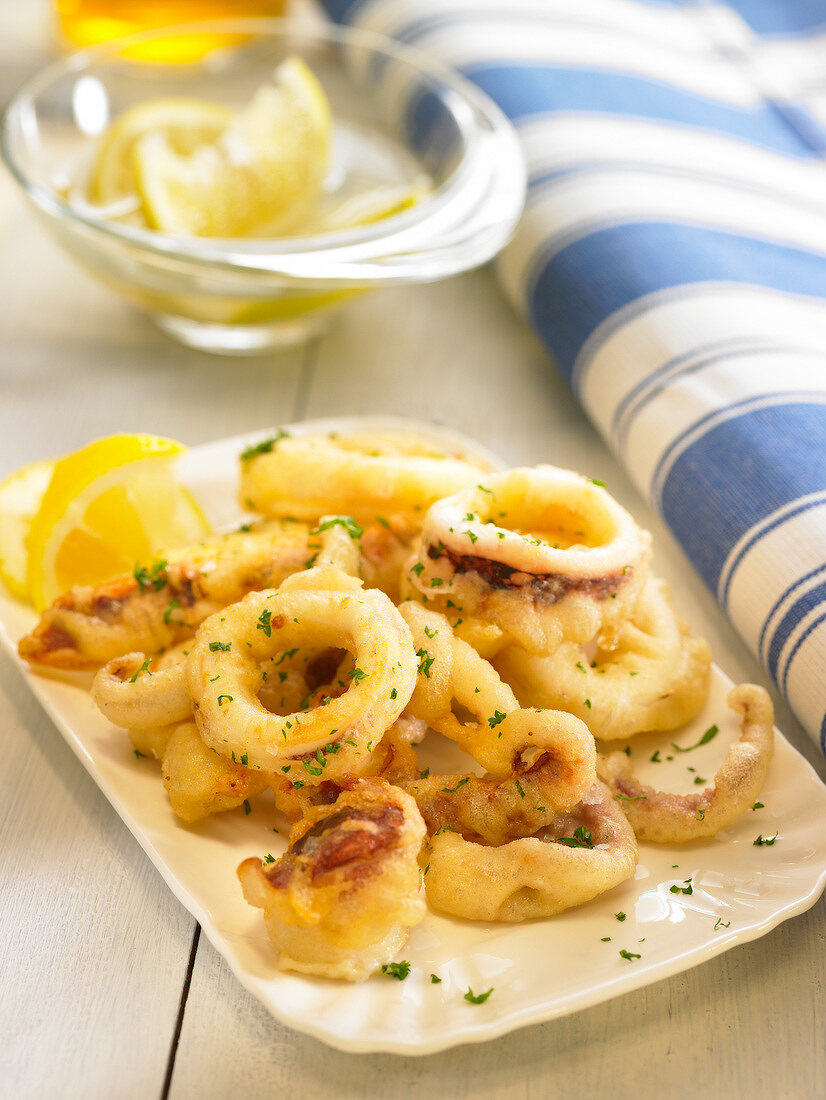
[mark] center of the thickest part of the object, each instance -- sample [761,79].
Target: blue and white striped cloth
[672,256]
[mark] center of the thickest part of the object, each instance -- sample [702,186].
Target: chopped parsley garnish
[152,577]
[620,916]
[220,647]
[269,858]
[398,970]
[418,568]
[144,668]
[473,538]
[519,788]
[138,754]
[435,979]
[629,955]
[758,806]
[655,758]
[685,889]
[221,699]
[498,716]
[581,666]
[393,694]
[580,839]
[477,998]
[424,774]
[244,759]
[453,790]
[353,529]
[630,797]
[247,807]
[167,613]
[709,735]
[425,662]
[596,481]
[588,703]
[358,675]
[265,446]
[767,840]
[265,622]
[430,633]
[722,923]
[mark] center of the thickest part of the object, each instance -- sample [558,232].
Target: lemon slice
[263,173]
[107,507]
[20,496]
[185,124]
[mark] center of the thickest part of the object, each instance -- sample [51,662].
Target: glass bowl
[399,118]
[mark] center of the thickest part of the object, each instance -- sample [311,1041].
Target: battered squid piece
[394,760]
[543,554]
[677,818]
[341,901]
[199,782]
[532,876]
[359,474]
[655,679]
[316,609]
[166,601]
[130,694]
[461,695]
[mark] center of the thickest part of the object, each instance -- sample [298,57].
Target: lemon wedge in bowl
[108,506]
[262,173]
[185,124]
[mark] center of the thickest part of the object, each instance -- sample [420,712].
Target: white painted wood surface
[95,950]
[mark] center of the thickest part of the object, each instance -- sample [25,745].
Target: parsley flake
[477,998]
[398,970]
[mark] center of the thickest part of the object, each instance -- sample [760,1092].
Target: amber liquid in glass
[87,22]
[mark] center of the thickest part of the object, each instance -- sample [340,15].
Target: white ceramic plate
[538,970]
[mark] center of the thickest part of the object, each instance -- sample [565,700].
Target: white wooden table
[107,989]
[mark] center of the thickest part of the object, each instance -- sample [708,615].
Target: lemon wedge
[263,172]
[108,506]
[185,124]
[20,496]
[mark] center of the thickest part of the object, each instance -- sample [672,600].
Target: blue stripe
[525,90]
[673,370]
[795,615]
[781,16]
[739,473]
[342,11]
[778,603]
[810,629]
[788,514]
[613,267]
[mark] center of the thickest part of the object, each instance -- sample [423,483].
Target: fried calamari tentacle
[165,602]
[533,876]
[461,695]
[360,474]
[199,782]
[341,901]
[655,679]
[677,818]
[130,694]
[543,554]
[317,608]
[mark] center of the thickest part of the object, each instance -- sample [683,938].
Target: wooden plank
[94,946]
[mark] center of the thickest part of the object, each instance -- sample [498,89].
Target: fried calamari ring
[677,818]
[153,609]
[461,695]
[317,608]
[544,554]
[130,694]
[199,782]
[655,679]
[533,876]
[341,901]
[360,474]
